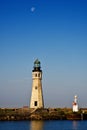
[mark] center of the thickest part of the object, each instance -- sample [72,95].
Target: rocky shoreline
[41,114]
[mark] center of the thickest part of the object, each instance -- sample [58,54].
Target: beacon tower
[37,94]
[75,104]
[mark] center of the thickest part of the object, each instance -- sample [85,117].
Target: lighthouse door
[35,103]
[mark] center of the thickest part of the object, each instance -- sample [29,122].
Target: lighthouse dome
[36,61]
[37,66]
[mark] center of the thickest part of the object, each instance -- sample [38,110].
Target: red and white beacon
[75,104]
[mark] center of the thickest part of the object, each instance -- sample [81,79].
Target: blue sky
[53,31]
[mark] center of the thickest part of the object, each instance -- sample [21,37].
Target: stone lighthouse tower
[37,94]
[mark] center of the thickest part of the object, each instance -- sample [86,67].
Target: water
[43,125]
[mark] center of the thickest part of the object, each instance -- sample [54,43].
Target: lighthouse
[75,104]
[37,93]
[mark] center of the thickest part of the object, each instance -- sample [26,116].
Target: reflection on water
[36,125]
[75,125]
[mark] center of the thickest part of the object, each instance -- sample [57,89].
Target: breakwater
[42,114]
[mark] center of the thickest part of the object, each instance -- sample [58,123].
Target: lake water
[43,125]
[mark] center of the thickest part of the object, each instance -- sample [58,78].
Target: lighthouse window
[35,75]
[35,87]
[35,103]
[39,75]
